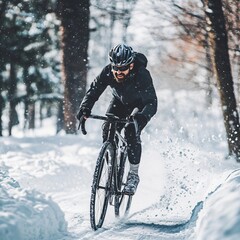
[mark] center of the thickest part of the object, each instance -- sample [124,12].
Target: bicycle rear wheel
[122,201]
[122,205]
[102,179]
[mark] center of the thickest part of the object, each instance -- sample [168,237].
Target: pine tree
[27,38]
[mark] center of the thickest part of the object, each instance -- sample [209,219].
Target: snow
[220,216]
[187,190]
[27,214]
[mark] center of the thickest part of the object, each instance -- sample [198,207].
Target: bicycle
[110,173]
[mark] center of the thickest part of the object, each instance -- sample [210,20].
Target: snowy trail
[62,168]
[181,166]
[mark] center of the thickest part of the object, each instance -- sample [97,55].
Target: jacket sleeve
[148,94]
[97,87]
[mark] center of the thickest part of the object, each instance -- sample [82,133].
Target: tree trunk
[209,72]
[222,68]
[237,53]
[29,112]
[12,87]
[2,104]
[74,15]
[31,115]
[60,116]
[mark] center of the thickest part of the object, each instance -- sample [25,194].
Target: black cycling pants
[134,142]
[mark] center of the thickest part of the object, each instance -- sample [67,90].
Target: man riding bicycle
[132,87]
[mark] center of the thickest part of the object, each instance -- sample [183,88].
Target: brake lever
[131,117]
[134,112]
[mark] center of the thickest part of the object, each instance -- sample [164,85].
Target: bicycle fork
[111,183]
[115,189]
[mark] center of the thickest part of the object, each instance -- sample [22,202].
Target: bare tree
[232,9]
[221,64]
[74,15]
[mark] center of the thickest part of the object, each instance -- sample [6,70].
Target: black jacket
[136,91]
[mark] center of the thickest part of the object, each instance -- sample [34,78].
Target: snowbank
[27,214]
[220,217]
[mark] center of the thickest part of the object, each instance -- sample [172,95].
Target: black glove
[83,112]
[141,120]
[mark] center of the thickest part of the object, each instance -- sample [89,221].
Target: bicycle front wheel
[101,185]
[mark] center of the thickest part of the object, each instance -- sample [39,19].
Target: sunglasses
[121,69]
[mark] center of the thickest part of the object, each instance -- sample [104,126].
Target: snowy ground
[188,190]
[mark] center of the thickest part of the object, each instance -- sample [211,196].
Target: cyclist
[132,87]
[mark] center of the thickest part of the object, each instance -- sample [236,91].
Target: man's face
[120,73]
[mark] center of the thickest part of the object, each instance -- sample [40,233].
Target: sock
[134,168]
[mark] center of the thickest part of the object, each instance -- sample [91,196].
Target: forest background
[50,50]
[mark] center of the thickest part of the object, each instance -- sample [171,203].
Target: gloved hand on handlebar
[83,112]
[141,120]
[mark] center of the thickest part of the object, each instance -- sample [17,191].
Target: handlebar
[109,117]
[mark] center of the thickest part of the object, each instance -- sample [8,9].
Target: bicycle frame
[113,133]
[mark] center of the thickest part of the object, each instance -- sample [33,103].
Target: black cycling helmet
[121,55]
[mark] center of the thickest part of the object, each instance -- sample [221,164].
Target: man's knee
[131,136]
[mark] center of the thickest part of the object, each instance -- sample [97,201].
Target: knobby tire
[102,179]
